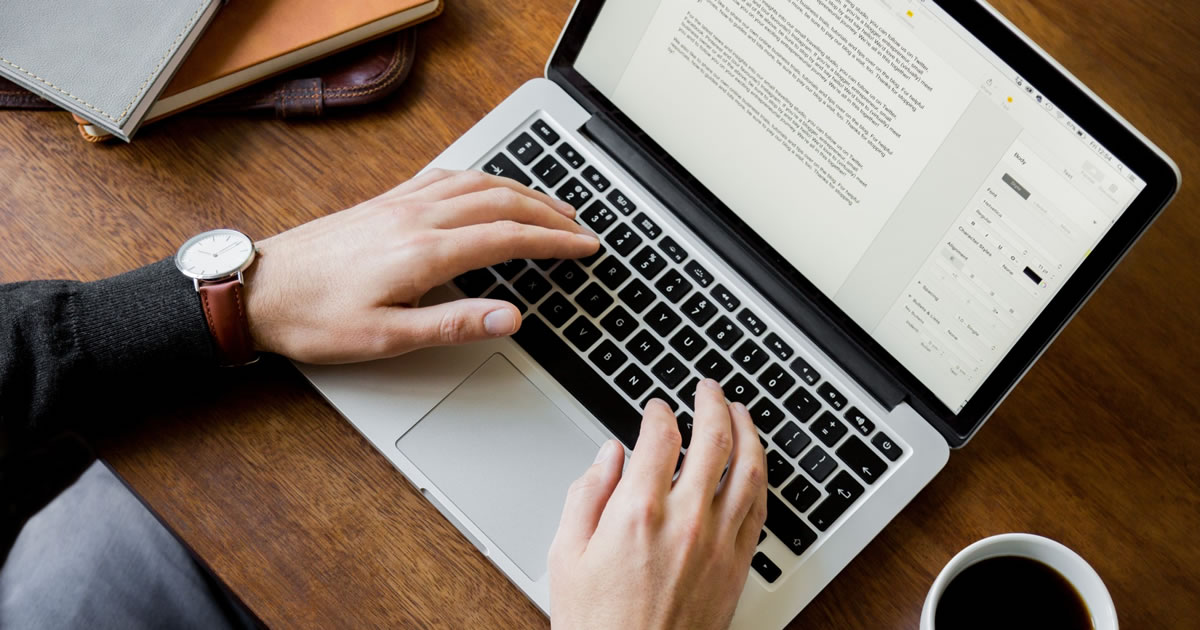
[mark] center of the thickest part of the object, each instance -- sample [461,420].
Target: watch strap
[225,311]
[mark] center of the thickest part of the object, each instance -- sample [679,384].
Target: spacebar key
[579,378]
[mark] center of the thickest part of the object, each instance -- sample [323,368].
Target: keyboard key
[699,309]
[633,381]
[593,299]
[580,379]
[510,268]
[475,283]
[644,347]
[504,167]
[725,333]
[673,250]
[545,132]
[549,170]
[843,490]
[762,535]
[751,322]
[818,464]
[725,298]
[788,527]
[502,293]
[776,380]
[801,404]
[688,343]
[648,263]
[714,366]
[623,239]
[750,357]
[621,202]
[828,428]
[765,567]
[570,155]
[670,371]
[887,446]
[545,263]
[662,319]
[608,357]
[688,393]
[801,493]
[861,461]
[598,217]
[587,261]
[779,469]
[740,389]
[574,193]
[525,148]
[582,333]
[859,421]
[636,296]
[685,428]
[611,272]
[619,323]
[532,286]
[792,439]
[673,286]
[646,225]
[698,273]
[805,371]
[593,177]
[766,415]
[778,347]
[569,276]
[831,396]
[663,396]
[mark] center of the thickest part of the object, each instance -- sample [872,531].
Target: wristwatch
[215,261]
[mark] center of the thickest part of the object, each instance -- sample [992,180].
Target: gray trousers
[95,557]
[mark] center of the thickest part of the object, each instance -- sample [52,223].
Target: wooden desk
[1098,447]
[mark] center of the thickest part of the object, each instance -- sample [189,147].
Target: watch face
[215,254]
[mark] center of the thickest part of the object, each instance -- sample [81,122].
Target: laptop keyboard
[643,319]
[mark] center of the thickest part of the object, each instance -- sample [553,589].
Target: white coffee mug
[1077,571]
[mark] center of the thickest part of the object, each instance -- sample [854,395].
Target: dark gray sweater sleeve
[62,342]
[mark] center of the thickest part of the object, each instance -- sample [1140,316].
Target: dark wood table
[1098,447]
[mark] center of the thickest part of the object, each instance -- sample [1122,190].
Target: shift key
[787,526]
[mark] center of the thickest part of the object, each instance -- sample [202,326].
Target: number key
[648,262]
[598,217]
[699,309]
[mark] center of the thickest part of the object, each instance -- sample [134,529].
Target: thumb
[586,499]
[458,322]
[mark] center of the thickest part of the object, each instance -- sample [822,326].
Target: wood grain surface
[1098,447]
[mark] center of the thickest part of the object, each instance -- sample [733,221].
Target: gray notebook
[106,61]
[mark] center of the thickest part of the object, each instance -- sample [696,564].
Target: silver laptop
[865,219]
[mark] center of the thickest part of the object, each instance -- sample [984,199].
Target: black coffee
[1011,592]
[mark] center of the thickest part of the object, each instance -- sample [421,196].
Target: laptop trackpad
[504,455]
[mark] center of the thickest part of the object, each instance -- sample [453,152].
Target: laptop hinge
[709,225]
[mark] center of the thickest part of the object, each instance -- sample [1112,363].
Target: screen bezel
[1159,175]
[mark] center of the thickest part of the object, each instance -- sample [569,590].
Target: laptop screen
[932,193]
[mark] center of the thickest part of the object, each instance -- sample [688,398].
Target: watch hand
[226,249]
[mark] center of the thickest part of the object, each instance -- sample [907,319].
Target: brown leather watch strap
[226,314]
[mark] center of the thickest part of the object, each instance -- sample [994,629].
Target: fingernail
[738,408]
[500,322]
[711,384]
[589,238]
[566,208]
[604,453]
[658,402]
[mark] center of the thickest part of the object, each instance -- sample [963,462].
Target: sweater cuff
[147,318]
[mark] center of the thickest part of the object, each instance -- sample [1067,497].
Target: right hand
[636,550]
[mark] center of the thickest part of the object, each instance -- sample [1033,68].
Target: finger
[746,481]
[756,516]
[711,445]
[586,499]
[483,245]
[421,181]
[474,181]
[449,324]
[499,204]
[652,465]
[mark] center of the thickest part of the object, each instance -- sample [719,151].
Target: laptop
[865,219]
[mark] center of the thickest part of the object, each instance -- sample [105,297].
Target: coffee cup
[1068,564]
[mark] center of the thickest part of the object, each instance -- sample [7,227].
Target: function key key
[574,193]
[502,293]
[801,493]
[688,343]
[801,404]
[698,273]
[805,371]
[557,310]
[843,490]
[750,357]
[725,298]
[776,380]
[593,299]
[636,296]
[818,464]
[510,268]
[598,217]
[765,567]
[532,286]
[568,153]
[474,283]
[673,286]
[525,148]
[544,131]
[828,428]
[859,421]
[647,226]
[887,446]
[831,396]
[644,347]
[778,468]
[608,357]
[663,319]
[648,262]
[549,170]
[619,323]
[623,239]
[670,371]
[633,381]
[859,458]
[569,276]
[673,250]
[740,389]
[766,415]
[778,347]
[501,166]
[725,332]
[582,333]
[593,177]
[792,439]
[788,527]
[621,202]
[699,309]
[751,322]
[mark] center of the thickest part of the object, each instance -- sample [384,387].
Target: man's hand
[640,551]
[345,287]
